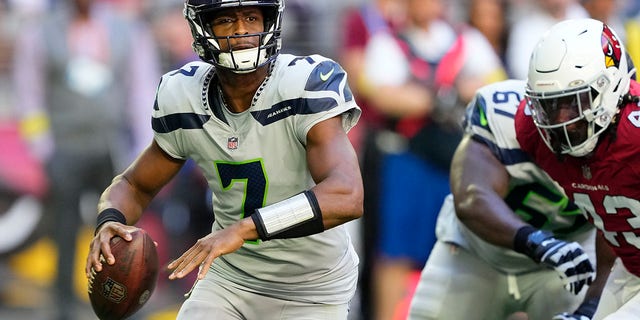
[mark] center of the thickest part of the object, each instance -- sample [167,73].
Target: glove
[568,259]
[568,316]
[584,312]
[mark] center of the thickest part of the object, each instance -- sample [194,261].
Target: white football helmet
[578,74]
[199,14]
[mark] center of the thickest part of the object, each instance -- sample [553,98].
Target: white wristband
[299,211]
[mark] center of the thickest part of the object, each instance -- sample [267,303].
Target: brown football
[121,289]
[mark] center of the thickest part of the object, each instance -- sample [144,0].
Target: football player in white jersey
[268,131]
[480,267]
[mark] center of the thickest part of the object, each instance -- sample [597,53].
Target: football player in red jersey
[580,122]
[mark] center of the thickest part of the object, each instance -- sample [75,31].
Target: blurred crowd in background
[77,84]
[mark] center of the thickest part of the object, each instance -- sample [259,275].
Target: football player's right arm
[130,193]
[479,182]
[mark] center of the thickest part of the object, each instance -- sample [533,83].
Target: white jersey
[533,196]
[256,158]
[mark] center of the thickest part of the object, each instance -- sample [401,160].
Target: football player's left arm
[334,167]
[336,198]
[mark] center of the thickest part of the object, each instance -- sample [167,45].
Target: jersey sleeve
[317,88]
[178,107]
[489,119]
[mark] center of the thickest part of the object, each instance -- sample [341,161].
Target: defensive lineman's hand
[585,311]
[567,258]
[567,316]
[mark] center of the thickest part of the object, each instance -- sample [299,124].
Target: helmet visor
[563,118]
[550,111]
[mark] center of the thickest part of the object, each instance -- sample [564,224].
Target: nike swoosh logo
[325,76]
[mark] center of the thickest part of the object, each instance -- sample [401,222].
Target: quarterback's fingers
[93,260]
[204,267]
[175,263]
[113,229]
[100,248]
[186,265]
[185,256]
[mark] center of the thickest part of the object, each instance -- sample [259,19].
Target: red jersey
[606,185]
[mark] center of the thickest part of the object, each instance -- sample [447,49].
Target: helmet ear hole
[594,93]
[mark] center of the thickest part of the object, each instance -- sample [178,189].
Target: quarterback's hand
[567,258]
[100,247]
[208,248]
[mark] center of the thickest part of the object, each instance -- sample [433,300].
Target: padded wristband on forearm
[298,216]
[588,308]
[110,214]
[521,238]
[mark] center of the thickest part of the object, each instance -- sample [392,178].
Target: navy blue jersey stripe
[177,121]
[288,108]
[475,114]
[348,96]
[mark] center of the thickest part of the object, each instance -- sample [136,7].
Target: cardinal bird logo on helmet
[611,48]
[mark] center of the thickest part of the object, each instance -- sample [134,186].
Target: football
[121,289]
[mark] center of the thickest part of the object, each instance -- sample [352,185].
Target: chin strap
[242,61]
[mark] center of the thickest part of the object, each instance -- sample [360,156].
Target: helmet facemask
[208,46]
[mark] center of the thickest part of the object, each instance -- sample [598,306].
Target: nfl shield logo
[114,291]
[232,143]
